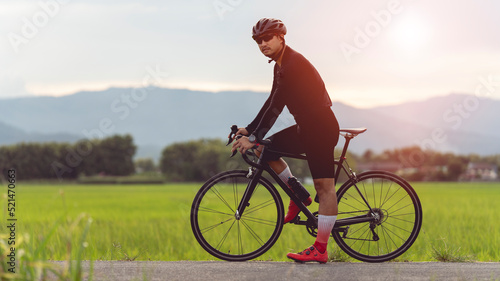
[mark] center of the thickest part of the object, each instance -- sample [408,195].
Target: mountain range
[157,117]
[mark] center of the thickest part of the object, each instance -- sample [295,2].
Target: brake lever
[234,130]
[233,153]
[236,150]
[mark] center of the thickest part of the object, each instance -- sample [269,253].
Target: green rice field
[151,222]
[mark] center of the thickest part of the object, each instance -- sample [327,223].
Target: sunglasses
[264,38]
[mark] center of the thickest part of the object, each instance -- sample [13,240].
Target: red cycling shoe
[309,254]
[293,210]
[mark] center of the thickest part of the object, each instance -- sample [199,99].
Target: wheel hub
[380,215]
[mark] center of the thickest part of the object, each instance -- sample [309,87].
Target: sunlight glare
[410,33]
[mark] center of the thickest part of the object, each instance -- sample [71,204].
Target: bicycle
[238,215]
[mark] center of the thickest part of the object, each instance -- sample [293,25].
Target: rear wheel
[398,217]
[222,232]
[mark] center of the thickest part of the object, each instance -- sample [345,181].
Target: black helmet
[268,25]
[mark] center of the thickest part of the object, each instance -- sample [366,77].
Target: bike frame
[258,168]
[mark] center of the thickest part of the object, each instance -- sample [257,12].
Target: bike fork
[245,199]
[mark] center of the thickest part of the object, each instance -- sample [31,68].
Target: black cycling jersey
[296,84]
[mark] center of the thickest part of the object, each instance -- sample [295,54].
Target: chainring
[311,226]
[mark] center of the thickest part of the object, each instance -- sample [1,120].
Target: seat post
[348,138]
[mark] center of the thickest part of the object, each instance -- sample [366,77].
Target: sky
[368,52]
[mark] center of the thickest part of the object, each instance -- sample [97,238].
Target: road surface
[256,270]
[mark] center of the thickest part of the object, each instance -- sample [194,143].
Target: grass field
[151,222]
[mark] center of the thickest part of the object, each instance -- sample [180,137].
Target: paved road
[219,270]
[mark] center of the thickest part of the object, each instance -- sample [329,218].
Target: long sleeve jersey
[297,85]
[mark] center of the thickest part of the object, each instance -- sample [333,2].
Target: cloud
[12,86]
[111,42]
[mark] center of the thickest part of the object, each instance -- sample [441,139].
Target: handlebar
[231,137]
[348,134]
[234,129]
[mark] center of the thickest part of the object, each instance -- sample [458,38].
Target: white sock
[325,226]
[285,174]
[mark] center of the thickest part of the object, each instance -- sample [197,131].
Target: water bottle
[299,190]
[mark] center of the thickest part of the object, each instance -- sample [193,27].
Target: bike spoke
[253,233]
[385,198]
[358,210]
[381,206]
[364,240]
[358,239]
[374,200]
[397,227]
[354,232]
[260,206]
[260,221]
[409,204]
[359,201]
[364,189]
[240,245]
[208,228]
[209,210]
[381,192]
[217,193]
[235,193]
[390,238]
[400,219]
[224,237]
[385,239]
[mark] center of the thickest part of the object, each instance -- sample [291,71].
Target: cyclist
[297,85]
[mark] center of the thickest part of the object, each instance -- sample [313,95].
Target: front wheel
[221,231]
[397,212]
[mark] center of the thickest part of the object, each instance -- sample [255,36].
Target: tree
[118,152]
[109,156]
[198,160]
[112,156]
[455,168]
[145,165]
[368,155]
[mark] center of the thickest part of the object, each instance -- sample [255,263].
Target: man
[297,85]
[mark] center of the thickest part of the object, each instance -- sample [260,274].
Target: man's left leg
[327,212]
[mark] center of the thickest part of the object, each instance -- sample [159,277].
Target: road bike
[238,215]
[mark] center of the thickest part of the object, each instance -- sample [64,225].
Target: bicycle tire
[400,216]
[216,227]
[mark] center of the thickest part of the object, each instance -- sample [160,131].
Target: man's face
[269,44]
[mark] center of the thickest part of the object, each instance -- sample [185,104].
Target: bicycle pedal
[296,220]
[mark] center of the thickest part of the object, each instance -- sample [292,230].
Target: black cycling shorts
[316,136]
